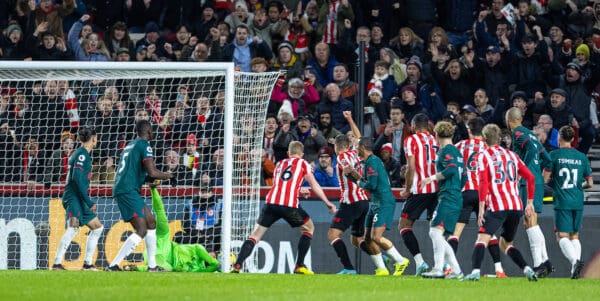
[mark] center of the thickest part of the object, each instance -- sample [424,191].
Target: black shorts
[507,220]
[351,215]
[417,203]
[270,213]
[470,204]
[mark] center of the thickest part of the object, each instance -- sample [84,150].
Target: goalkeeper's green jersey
[173,256]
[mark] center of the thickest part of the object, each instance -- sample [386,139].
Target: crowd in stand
[453,60]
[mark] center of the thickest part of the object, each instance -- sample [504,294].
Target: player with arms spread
[450,179]
[526,145]
[282,202]
[80,209]
[421,154]
[498,172]
[567,164]
[381,208]
[135,164]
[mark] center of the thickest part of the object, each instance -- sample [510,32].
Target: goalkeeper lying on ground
[173,256]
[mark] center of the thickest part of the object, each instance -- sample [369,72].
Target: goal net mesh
[40,112]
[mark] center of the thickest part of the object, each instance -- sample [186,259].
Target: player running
[354,205]
[526,145]
[470,149]
[449,178]
[567,165]
[499,169]
[421,153]
[80,210]
[381,208]
[282,202]
[137,163]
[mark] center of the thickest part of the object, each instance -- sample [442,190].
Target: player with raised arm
[381,208]
[282,202]
[135,164]
[470,149]
[498,174]
[80,209]
[173,256]
[421,154]
[526,145]
[450,181]
[353,208]
[567,165]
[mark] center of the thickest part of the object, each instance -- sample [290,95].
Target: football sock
[439,250]
[394,254]
[410,240]
[92,243]
[378,261]
[535,245]
[418,259]
[130,244]
[494,250]
[453,242]
[516,256]
[340,249]
[567,249]
[150,241]
[450,258]
[65,241]
[364,247]
[577,246]
[245,250]
[542,243]
[303,246]
[478,253]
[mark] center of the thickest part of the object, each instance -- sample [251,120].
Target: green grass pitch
[79,285]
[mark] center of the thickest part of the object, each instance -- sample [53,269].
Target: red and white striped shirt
[287,179]
[423,146]
[499,169]
[330,33]
[268,146]
[349,191]
[470,148]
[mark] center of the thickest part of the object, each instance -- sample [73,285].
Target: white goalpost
[208,123]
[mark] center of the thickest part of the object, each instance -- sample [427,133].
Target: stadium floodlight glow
[49,98]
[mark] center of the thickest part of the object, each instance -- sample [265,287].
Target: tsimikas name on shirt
[569,161]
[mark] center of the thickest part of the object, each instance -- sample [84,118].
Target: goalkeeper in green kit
[176,257]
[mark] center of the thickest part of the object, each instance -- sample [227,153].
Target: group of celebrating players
[448,181]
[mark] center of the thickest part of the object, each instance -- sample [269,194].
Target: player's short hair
[491,134]
[420,121]
[86,133]
[514,114]
[367,143]
[444,129]
[342,141]
[141,126]
[567,133]
[476,125]
[296,148]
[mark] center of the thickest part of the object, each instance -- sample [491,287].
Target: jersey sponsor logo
[448,157]
[371,172]
[81,157]
[519,134]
